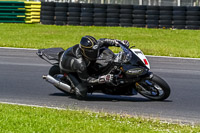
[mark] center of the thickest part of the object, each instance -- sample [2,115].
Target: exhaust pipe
[58,84]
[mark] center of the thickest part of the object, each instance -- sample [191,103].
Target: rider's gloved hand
[105,79]
[126,43]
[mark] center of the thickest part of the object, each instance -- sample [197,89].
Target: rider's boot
[81,91]
[80,88]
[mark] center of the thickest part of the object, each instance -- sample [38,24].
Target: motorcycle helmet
[89,47]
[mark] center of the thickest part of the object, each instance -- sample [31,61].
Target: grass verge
[163,42]
[22,119]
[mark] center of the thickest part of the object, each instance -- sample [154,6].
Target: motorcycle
[130,67]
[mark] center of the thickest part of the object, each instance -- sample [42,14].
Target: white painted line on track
[29,105]
[168,57]
[17,48]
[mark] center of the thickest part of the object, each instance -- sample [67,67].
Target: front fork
[146,80]
[147,76]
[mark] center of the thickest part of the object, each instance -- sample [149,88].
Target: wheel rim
[150,89]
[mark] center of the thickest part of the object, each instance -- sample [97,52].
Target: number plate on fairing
[133,71]
[142,57]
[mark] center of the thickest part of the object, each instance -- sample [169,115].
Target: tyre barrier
[192,18]
[99,15]
[74,13]
[86,14]
[19,12]
[165,17]
[125,16]
[61,13]
[152,17]
[47,13]
[12,12]
[179,17]
[32,12]
[113,11]
[139,16]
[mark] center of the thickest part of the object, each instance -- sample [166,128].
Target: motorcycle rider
[77,60]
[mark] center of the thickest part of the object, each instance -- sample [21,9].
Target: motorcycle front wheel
[154,89]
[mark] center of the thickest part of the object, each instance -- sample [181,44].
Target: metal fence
[137,2]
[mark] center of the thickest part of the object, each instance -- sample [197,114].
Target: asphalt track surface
[21,82]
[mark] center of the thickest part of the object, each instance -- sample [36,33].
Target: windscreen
[130,57]
[127,53]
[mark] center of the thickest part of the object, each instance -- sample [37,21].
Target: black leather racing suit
[73,63]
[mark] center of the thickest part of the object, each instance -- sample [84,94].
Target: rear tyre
[155,89]
[54,70]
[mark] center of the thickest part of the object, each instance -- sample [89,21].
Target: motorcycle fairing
[134,71]
[133,58]
[142,57]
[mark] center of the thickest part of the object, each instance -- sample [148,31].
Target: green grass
[164,42]
[22,119]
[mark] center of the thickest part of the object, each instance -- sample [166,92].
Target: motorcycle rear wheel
[55,72]
[155,89]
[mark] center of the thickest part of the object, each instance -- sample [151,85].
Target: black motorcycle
[130,68]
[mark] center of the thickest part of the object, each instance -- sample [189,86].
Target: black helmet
[89,47]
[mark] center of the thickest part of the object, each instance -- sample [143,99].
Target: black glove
[126,43]
[105,79]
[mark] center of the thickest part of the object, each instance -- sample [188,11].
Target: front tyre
[154,89]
